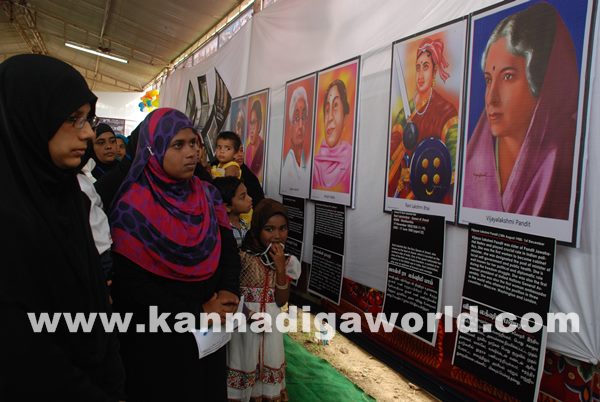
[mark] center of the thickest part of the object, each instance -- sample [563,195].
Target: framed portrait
[255,140]
[425,121]
[526,117]
[236,121]
[297,137]
[336,114]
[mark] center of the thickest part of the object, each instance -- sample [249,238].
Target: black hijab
[102,168]
[50,263]
[37,94]
[131,146]
[108,185]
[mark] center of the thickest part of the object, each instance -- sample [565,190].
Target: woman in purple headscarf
[174,249]
[520,156]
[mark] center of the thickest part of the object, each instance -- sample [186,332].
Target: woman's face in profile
[425,72]
[69,143]
[239,123]
[509,103]
[334,117]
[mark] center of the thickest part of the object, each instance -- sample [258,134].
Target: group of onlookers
[95,225]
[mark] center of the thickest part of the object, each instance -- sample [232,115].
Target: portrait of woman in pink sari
[520,156]
[333,162]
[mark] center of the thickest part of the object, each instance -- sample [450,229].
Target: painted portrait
[256,132]
[236,121]
[335,133]
[424,122]
[528,75]
[297,139]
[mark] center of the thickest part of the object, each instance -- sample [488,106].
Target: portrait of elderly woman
[519,157]
[295,170]
[334,136]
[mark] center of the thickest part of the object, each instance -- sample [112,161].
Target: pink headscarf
[540,182]
[168,227]
[436,49]
[332,166]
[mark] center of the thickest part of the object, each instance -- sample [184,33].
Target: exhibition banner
[335,139]
[425,120]
[526,117]
[236,121]
[295,210]
[255,140]
[327,269]
[297,137]
[414,279]
[506,298]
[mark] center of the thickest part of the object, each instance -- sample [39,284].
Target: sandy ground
[370,374]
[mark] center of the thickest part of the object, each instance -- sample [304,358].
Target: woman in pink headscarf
[333,163]
[432,116]
[520,156]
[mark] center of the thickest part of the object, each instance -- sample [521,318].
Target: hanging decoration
[149,101]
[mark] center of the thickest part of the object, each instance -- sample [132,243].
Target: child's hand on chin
[277,255]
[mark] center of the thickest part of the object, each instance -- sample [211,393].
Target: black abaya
[49,262]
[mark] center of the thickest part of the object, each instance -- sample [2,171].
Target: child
[236,199]
[228,144]
[325,333]
[256,361]
[121,144]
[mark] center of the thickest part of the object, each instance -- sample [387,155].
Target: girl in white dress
[256,361]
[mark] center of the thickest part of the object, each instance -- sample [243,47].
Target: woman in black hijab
[105,150]
[108,184]
[49,262]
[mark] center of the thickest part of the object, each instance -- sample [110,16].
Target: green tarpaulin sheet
[310,378]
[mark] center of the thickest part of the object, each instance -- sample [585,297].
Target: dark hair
[227,186]
[341,87]
[257,109]
[529,34]
[230,136]
[104,128]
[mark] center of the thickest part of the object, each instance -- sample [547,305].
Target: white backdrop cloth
[295,37]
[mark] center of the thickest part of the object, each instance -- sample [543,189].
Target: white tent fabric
[296,37]
[121,105]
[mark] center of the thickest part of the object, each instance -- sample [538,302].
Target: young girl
[238,202]
[256,361]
